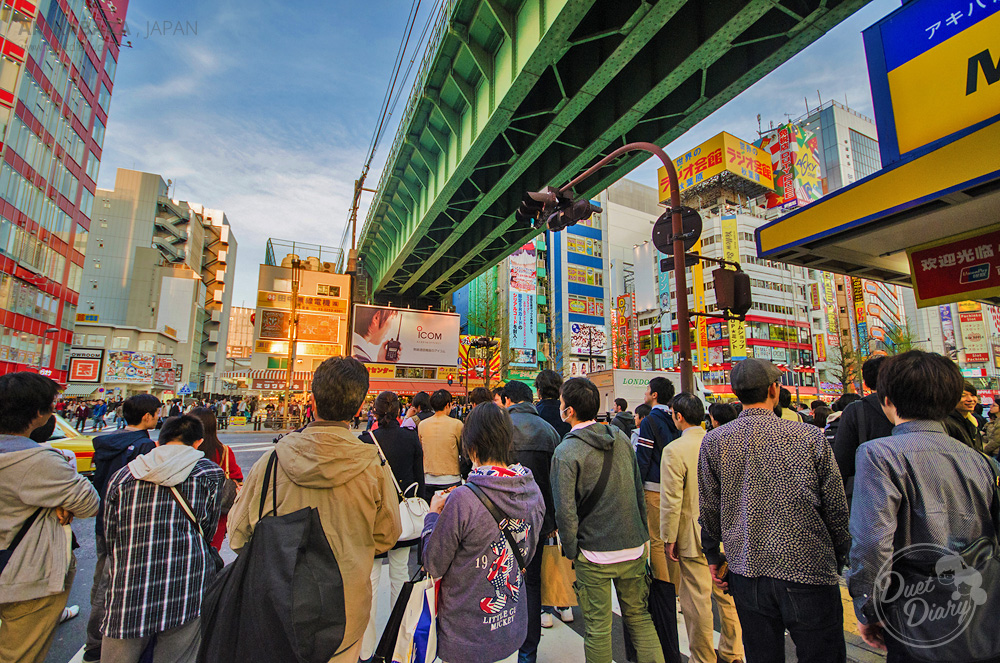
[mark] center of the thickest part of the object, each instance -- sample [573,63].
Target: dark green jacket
[618,521]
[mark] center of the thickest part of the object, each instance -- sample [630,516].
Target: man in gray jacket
[604,531]
[40,492]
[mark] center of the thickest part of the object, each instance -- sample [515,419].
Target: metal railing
[430,54]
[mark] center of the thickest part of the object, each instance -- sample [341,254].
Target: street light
[50,330]
[558,208]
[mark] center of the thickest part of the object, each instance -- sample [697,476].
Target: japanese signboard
[820,348]
[622,336]
[279,385]
[731,252]
[301,349]
[283,300]
[588,339]
[163,372]
[477,363]
[949,45]
[127,367]
[312,327]
[85,365]
[974,340]
[522,308]
[719,154]
[860,315]
[830,303]
[381,371]
[957,268]
[405,336]
[948,331]
[794,156]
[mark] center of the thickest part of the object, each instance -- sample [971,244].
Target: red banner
[961,269]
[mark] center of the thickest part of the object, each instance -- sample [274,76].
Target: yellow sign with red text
[718,154]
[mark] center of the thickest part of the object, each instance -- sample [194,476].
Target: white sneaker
[546,620]
[566,615]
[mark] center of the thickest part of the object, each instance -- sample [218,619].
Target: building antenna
[805,99]
[819,97]
[759,132]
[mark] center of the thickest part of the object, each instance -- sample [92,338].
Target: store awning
[80,389]
[408,388]
[272,374]
[947,188]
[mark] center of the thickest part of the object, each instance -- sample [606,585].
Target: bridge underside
[516,95]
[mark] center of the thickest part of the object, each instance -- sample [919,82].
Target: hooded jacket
[657,431]
[534,443]
[618,520]
[111,453]
[625,421]
[483,611]
[326,467]
[33,476]
[159,562]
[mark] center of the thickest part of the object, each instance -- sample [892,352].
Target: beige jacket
[440,436]
[327,467]
[679,493]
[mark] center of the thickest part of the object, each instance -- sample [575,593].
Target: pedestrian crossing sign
[185,389]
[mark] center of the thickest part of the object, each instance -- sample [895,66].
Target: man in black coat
[862,420]
[535,442]
[548,383]
[962,423]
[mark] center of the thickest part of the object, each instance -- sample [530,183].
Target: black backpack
[282,600]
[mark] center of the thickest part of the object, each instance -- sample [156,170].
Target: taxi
[65,436]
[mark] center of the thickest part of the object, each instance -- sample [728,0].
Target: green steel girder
[599,73]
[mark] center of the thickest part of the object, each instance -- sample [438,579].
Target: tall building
[239,348]
[56,80]
[189,239]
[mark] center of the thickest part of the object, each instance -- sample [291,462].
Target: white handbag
[412,510]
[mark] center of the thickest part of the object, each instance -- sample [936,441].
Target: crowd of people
[753,510]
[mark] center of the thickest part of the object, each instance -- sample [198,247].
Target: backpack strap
[588,504]
[501,518]
[186,508]
[24,530]
[270,475]
[225,460]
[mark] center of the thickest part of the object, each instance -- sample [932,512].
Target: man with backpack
[160,513]
[111,453]
[656,432]
[326,467]
[604,531]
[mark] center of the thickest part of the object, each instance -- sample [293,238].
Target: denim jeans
[528,652]
[812,614]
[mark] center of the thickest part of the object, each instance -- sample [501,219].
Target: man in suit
[682,539]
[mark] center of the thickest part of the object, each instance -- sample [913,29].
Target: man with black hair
[600,512]
[682,539]
[111,453]
[534,443]
[440,436]
[40,491]
[160,561]
[860,422]
[785,406]
[769,490]
[326,467]
[918,489]
[547,384]
[623,419]
[961,422]
[655,433]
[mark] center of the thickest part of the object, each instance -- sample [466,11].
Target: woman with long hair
[402,450]
[482,614]
[222,456]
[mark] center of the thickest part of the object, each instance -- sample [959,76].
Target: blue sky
[267,114]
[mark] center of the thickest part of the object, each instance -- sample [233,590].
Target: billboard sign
[794,154]
[731,252]
[949,44]
[163,372]
[957,268]
[85,365]
[860,315]
[974,340]
[312,327]
[315,303]
[522,307]
[404,336]
[128,367]
[948,330]
[721,153]
[830,302]
[588,339]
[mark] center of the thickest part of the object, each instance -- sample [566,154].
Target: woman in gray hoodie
[482,613]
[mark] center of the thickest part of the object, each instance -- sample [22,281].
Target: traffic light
[732,291]
[451,378]
[548,207]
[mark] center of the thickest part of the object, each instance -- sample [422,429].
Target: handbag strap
[24,529]
[500,517]
[270,476]
[399,491]
[186,508]
[225,460]
[588,504]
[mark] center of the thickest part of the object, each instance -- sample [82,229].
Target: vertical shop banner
[701,322]
[948,329]
[523,307]
[622,337]
[646,295]
[820,348]
[860,315]
[634,335]
[974,339]
[163,373]
[830,302]
[731,252]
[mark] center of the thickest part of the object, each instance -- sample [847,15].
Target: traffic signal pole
[680,277]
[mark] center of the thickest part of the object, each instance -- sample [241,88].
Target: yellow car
[67,437]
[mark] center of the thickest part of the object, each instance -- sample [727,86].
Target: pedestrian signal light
[553,209]
[732,290]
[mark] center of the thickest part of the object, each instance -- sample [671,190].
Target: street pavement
[561,644]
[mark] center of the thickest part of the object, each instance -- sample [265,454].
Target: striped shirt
[159,565]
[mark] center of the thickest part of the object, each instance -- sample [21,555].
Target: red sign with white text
[955,270]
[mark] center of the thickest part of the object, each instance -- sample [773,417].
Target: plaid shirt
[159,566]
[770,490]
